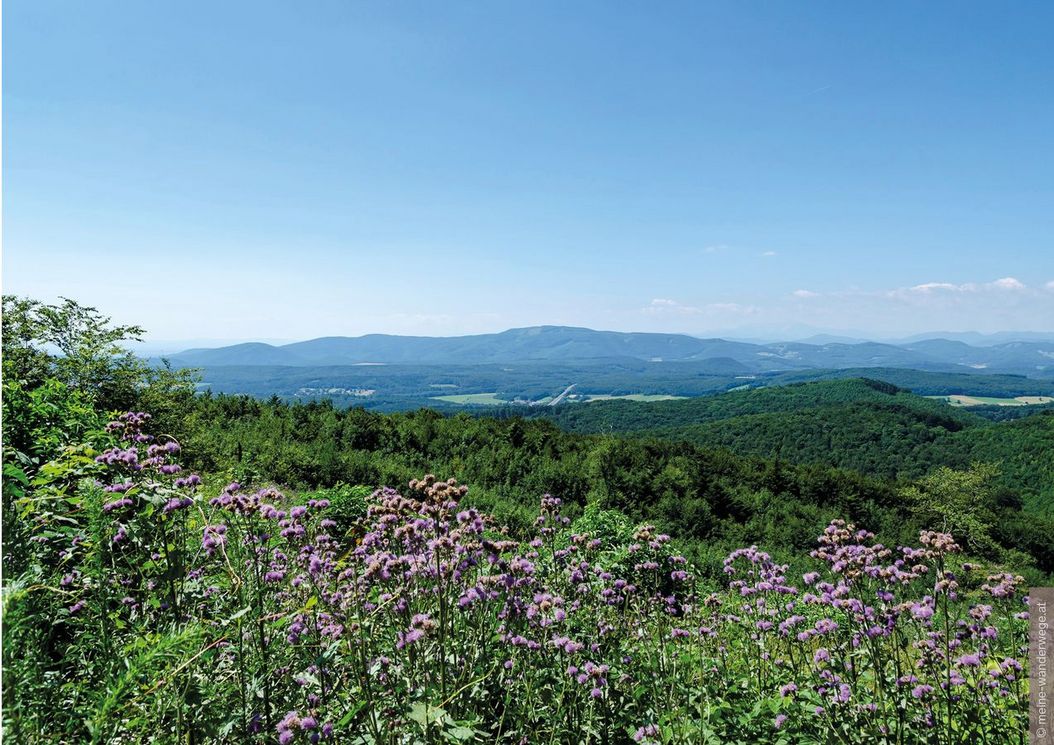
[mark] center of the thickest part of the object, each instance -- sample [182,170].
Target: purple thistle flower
[646,732]
[406,639]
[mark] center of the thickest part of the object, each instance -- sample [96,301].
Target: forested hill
[865,425]
[708,497]
[630,416]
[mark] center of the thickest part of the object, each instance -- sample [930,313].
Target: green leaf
[460,733]
[237,615]
[424,714]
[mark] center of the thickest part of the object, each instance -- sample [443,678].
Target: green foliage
[39,421]
[38,424]
[347,505]
[81,348]
[711,499]
[962,502]
[72,343]
[863,425]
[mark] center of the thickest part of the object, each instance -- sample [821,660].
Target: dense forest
[281,568]
[865,425]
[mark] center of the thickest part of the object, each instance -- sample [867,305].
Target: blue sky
[295,169]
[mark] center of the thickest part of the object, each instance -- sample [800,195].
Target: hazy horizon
[718,169]
[807,335]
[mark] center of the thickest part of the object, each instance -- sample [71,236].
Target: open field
[486,399]
[956,400]
[635,397]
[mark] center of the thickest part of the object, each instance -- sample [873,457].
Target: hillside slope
[860,424]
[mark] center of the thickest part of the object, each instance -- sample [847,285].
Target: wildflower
[826,626]
[177,503]
[646,733]
[408,638]
[117,504]
[213,537]
[922,611]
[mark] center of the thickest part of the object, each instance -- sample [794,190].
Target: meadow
[476,399]
[961,400]
[632,397]
[158,606]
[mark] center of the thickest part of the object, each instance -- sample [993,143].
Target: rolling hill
[865,425]
[565,344]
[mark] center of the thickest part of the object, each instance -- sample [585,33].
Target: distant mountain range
[1034,357]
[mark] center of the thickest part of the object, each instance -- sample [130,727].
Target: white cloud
[716,248]
[665,305]
[987,305]
[936,286]
[1008,283]
[768,253]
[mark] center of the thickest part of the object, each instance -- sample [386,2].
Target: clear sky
[269,169]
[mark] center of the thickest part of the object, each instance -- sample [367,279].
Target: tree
[74,344]
[959,502]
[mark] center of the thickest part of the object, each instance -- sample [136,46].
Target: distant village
[360,392]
